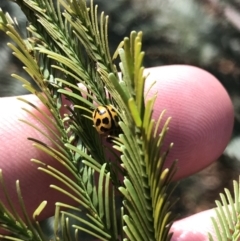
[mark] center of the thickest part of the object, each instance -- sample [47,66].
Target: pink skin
[201,126]
[195,227]
[201,111]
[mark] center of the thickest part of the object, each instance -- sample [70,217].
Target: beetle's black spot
[105,121]
[103,129]
[98,122]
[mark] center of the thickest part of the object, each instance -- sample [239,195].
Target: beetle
[105,119]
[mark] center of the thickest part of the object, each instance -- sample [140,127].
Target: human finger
[201,111]
[195,227]
[16,151]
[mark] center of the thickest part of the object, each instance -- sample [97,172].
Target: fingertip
[17,151]
[202,115]
[195,227]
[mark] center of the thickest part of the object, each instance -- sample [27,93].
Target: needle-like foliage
[66,53]
[11,220]
[227,221]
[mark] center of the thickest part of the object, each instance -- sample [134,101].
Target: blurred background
[204,33]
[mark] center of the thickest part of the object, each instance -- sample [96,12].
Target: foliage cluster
[67,55]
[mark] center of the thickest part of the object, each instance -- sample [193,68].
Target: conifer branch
[67,55]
